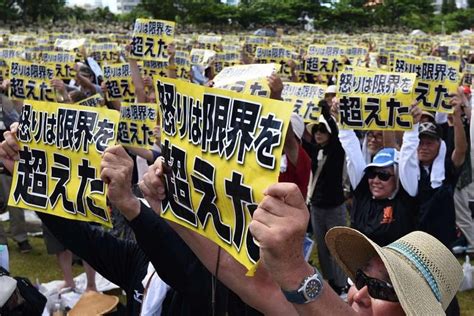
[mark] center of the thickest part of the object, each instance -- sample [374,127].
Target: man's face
[363,303]
[380,187]
[428,149]
[374,141]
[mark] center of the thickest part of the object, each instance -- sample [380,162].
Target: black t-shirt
[383,221]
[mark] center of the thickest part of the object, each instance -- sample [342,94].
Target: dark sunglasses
[377,289]
[382,175]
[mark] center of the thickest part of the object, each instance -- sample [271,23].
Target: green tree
[33,10]
[448,6]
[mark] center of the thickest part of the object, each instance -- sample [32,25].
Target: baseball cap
[429,129]
[384,158]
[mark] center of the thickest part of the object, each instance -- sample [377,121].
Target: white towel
[437,169]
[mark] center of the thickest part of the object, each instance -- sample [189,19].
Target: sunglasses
[382,175]
[377,289]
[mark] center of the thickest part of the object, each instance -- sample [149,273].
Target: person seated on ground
[384,205]
[414,275]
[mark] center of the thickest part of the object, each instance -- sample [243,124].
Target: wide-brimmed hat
[7,287]
[423,272]
[94,303]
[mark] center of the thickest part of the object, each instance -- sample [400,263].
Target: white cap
[7,287]
[297,124]
[330,89]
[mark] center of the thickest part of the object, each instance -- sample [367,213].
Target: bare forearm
[259,291]
[137,81]
[460,142]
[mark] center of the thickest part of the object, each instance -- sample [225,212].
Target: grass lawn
[38,264]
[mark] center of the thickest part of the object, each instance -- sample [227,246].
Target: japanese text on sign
[59,165]
[136,124]
[31,81]
[151,38]
[223,148]
[375,101]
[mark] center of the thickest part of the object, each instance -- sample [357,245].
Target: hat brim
[429,134]
[309,127]
[380,165]
[352,250]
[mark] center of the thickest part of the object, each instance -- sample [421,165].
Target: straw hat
[7,287]
[94,303]
[424,273]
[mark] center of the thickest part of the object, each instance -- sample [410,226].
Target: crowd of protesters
[390,185]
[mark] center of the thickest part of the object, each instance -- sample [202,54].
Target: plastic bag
[467,269]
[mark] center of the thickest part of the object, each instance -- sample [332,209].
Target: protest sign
[370,100]
[136,125]
[324,60]
[202,57]
[31,81]
[244,73]
[436,80]
[62,62]
[118,80]
[59,167]
[223,148]
[305,99]
[211,42]
[94,101]
[276,55]
[104,52]
[70,44]
[151,38]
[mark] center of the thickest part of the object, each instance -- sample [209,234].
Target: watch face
[312,289]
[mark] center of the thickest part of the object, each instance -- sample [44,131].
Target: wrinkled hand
[276,87]
[279,225]
[116,170]
[9,148]
[457,102]
[153,184]
[157,134]
[416,112]
[59,85]
[335,109]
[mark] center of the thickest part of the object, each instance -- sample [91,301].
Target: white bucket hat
[423,272]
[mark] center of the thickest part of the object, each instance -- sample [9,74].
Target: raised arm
[409,171]
[260,291]
[460,142]
[355,161]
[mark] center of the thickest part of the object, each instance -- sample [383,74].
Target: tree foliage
[342,15]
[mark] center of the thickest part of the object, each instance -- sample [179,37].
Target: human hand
[416,112]
[9,148]
[59,85]
[279,225]
[276,86]
[116,170]
[153,184]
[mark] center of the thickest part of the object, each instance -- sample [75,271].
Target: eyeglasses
[382,175]
[377,289]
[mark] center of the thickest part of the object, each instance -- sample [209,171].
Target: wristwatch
[309,290]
